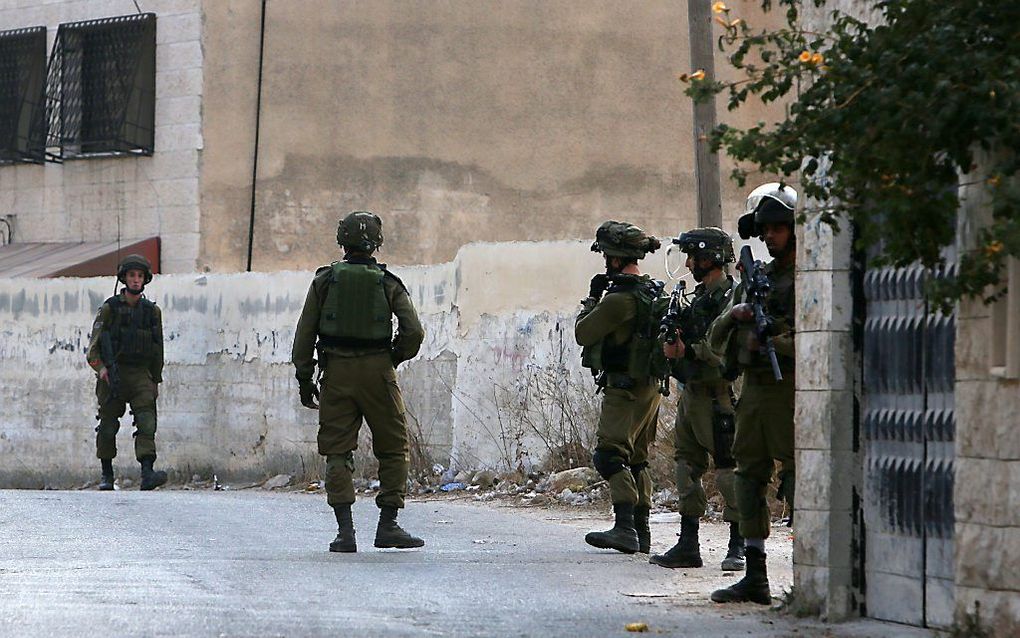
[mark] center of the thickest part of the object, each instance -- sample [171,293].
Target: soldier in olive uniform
[764,414]
[126,351]
[704,419]
[618,338]
[347,321]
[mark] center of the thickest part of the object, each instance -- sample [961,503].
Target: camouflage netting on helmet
[620,239]
[134,262]
[360,231]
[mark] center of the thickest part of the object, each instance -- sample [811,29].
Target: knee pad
[637,469]
[607,463]
[683,472]
[345,460]
[145,422]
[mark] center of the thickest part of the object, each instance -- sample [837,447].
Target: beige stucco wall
[456,121]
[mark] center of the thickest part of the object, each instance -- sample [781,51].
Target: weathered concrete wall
[138,197]
[488,382]
[456,121]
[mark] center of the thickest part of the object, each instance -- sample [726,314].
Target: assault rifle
[670,324]
[756,291]
[109,358]
[671,320]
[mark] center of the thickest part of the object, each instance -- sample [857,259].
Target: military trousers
[356,389]
[698,433]
[625,434]
[764,436]
[137,390]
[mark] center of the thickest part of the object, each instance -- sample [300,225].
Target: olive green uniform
[704,419]
[137,338]
[764,413]
[630,406]
[359,380]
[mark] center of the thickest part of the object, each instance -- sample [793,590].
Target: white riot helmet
[771,203]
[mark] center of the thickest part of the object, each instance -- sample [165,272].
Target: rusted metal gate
[907,433]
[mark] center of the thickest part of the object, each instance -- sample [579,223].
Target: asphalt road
[190,563]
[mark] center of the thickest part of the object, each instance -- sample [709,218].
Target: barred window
[101,88]
[22,95]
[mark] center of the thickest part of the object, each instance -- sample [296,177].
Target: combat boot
[734,561]
[687,551]
[753,587]
[389,534]
[151,479]
[106,482]
[644,533]
[344,541]
[622,537]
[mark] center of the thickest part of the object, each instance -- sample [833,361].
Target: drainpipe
[258,116]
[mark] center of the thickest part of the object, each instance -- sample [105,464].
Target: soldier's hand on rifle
[742,312]
[674,350]
[598,285]
[309,393]
[752,342]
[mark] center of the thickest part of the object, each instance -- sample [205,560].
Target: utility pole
[706,163]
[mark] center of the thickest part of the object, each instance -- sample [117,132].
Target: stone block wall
[987,487]
[828,467]
[136,197]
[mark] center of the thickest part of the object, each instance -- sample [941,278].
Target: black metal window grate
[101,88]
[22,95]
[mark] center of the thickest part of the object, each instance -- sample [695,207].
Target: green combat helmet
[707,243]
[360,231]
[134,262]
[620,239]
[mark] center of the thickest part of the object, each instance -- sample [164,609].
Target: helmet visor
[784,195]
[676,261]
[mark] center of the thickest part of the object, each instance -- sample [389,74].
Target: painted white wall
[498,318]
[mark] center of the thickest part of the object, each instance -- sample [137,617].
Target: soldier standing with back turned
[764,413]
[126,351]
[704,418]
[347,320]
[618,333]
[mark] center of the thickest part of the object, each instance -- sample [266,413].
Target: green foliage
[884,118]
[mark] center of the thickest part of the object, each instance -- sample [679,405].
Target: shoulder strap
[387,273]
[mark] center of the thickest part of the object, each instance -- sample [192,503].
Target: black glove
[598,285]
[308,393]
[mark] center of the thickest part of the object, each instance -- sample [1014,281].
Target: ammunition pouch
[617,380]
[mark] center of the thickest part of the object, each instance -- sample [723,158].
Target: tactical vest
[356,312]
[695,320]
[640,358]
[134,331]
